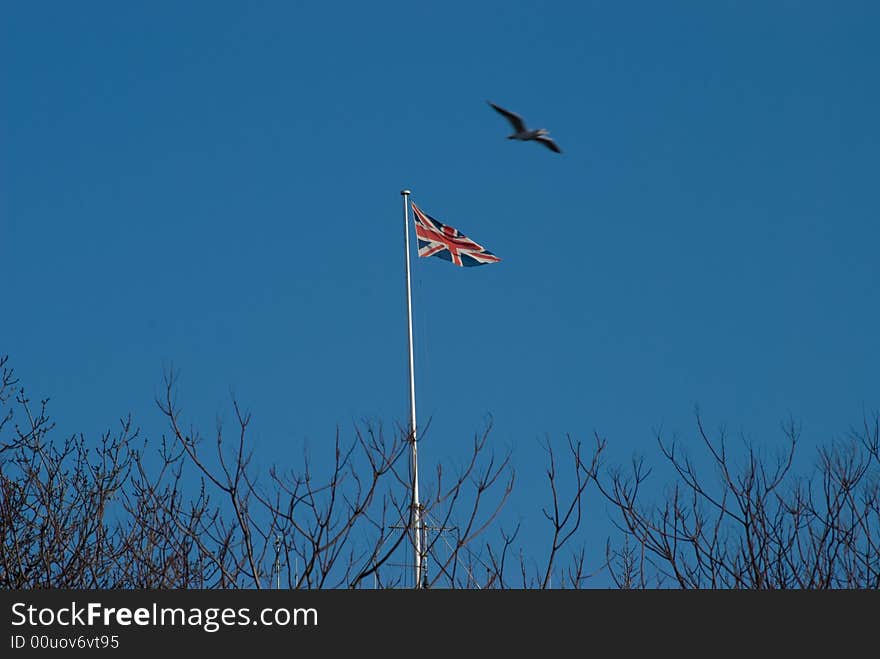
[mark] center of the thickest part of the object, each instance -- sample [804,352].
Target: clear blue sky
[216,186]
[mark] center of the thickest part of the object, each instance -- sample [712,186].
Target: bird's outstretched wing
[550,144]
[514,119]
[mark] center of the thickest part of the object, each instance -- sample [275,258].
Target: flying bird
[523,133]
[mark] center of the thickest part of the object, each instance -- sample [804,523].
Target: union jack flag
[437,239]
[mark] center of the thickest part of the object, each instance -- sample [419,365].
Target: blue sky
[216,186]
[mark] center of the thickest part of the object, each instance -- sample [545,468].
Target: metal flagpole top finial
[405,192]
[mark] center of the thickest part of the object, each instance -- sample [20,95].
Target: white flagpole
[416,510]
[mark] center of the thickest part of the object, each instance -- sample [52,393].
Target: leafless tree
[755,525]
[564,516]
[187,512]
[191,511]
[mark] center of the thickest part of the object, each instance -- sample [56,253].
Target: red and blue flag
[438,239]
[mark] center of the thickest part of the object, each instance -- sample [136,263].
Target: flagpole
[416,509]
